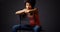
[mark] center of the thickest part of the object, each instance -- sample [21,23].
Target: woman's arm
[33,10]
[20,12]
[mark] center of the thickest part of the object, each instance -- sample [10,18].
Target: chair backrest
[24,19]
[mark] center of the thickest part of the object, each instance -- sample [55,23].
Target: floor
[29,31]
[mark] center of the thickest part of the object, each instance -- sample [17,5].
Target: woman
[32,14]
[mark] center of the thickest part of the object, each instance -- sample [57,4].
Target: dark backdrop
[48,11]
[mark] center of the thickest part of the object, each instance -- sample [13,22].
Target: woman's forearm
[19,12]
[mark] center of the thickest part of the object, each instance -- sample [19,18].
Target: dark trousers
[35,28]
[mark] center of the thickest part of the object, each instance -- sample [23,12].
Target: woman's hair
[31,2]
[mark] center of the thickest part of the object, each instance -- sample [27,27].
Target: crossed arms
[25,11]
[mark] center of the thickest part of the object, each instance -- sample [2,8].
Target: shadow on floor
[29,31]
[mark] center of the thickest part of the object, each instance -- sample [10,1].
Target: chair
[29,29]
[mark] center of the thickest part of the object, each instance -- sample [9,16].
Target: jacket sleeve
[37,17]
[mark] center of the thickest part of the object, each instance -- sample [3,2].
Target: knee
[36,28]
[15,27]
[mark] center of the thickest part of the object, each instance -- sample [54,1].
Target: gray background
[48,11]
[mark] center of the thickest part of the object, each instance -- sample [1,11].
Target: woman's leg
[36,28]
[17,27]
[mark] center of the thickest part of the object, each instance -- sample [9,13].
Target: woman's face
[28,6]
